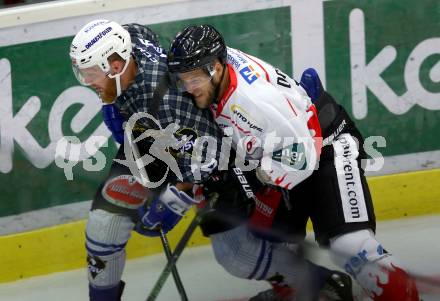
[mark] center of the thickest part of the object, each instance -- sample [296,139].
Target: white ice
[413,240]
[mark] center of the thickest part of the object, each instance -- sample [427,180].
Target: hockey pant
[358,253]
[247,256]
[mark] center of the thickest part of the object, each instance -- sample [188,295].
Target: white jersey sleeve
[295,157]
[289,153]
[282,109]
[269,112]
[284,84]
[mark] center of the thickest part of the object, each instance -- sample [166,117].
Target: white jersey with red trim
[270,118]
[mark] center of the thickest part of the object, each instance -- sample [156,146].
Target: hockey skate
[276,293]
[337,287]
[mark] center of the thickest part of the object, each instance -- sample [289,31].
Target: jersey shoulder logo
[249,74]
[150,50]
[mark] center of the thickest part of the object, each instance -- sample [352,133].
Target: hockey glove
[164,212]
[267,201]
[114,122]
[311,83]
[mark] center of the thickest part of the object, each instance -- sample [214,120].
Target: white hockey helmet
[95,42]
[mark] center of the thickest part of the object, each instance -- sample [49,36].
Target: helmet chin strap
[117,78]
[118,84]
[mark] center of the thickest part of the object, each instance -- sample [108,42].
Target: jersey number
[281,79]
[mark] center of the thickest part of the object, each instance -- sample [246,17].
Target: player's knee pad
[106,237]
[242,254]
[377,271]
[246,256]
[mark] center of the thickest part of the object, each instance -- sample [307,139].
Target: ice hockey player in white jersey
[307,158]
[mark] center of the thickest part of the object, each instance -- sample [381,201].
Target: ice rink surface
[415,241]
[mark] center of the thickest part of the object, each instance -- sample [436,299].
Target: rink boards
[61,247]
[346,41]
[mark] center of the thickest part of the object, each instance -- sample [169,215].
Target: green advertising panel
[39,73]
[45,102]
[383,64]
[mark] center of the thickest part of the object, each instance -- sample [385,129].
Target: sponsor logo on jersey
[350,185]
[249,74]
[125,191]
[292,155]
[98,37]
[189,136]
[236,61]
[244,117]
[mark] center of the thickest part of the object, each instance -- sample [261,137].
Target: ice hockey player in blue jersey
[127,67]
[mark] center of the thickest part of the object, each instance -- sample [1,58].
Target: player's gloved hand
[114,121]
[164,212]
[267,200]
[311,83]
[234,200]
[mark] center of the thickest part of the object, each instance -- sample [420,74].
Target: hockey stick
[144,179]
[181,246]
[427,284]
[177,280]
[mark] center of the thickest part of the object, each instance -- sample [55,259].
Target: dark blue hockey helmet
[196,47]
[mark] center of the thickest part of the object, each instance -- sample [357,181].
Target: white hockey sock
[377,271]
[106,237]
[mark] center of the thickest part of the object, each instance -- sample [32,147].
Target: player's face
[198,84]
[98,80]
[92,76]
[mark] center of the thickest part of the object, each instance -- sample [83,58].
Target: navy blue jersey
[175,107]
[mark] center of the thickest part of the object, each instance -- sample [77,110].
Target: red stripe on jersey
[291,106]
[234,123]
[280,179]
[313,124]
[238,127]
[229,90]
[225,116]
[267,74]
